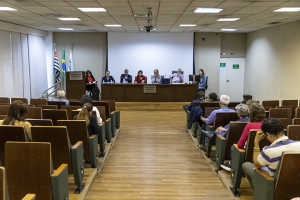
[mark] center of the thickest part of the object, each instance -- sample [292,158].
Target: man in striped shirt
[270,156]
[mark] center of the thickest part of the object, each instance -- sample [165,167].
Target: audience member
[257,115]
[87,99]
[16,116]
[140,78]
[91,121]
[202,83]
[250,102]
[200,98]
[224,102]
[107,78]
[212,97]
[269,157]
[156,77]
[61,97]
[177,77]
[126,78]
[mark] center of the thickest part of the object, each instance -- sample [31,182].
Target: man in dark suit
[126,78]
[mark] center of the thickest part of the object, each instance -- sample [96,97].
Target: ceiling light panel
[7,9]
[228,29]
[288,9]
[66,29]
[227,19]
[188,25]
[208,10]
[68,19]
[92,9]
[113,25]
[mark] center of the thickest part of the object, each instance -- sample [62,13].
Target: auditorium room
[149,99]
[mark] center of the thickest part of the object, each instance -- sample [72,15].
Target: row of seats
[265,187]
[58,143]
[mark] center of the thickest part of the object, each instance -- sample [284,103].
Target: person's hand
[219,129]
[259,136]
[143,81]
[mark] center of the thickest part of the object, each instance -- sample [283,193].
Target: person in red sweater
[257,116]
[140,78]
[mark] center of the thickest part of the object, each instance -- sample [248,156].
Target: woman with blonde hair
[16,116]
[91,121]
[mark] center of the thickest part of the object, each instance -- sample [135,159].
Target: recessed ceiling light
[8,9]
[68,19]
[227,19]
[188,25]
[288,9]
[92,9]
[154,29]
[208,10]
[113,25]
[142,29]
[66,29]
[228,29]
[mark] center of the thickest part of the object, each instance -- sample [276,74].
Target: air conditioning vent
[272,23]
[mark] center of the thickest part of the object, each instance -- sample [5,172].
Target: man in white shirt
[270,156]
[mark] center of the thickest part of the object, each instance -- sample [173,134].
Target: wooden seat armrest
[221,137]
[101,124]
[241,150]
[108,119]
[29,197]
[112,112]
[264,174]
[93,136]
[77,144]
[61,168]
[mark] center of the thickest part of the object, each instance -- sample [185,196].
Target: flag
[63,64]
[56,68]
[71,66]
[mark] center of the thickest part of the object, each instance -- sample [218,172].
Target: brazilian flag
[64,66]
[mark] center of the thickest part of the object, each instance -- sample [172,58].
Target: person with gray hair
[224,102]
[126,77]
[177,77]
[156,77]
[61,97]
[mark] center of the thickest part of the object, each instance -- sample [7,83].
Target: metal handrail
[45,94]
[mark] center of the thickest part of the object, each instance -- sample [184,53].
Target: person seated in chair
[177,77]
[140,78]
[210,120]
[203,81]
[200,98]
[17,113]
[126,78]
[212,97]
[269,157]
[91,83]
[257,115]
[156,77]
[61,97]
[87,99]
[107,78]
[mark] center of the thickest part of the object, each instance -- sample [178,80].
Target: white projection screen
[148,51]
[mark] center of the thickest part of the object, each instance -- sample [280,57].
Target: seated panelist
[126,78]
[177,77]
[140,78]
[90,80]
[107,78]
[156,77]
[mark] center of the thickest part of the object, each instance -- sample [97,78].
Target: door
[231,80]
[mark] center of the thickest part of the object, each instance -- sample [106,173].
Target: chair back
[102,112]
[25,100]
[293,103]
[233,135]
[58,103]
[57,136]
[48,106]
[296,121]
[288,176]
[224,118]
[282,113]
[2,184]
[28,168]
[5,100]
[34,113]
[55,115]
[4,109]
[291,107]
[76,112]
[209,110]
[112,105]
[250,144]
[74,103]
[293,132]
[297,112]
[77,131]
[37,102]
[2,117]
[10,133]
[72,100]
[106,105]
[270,104]
[203,105]
[69,110]
[40,122]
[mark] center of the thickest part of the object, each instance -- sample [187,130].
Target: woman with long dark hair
[16,116]
[202,83]
[140,78]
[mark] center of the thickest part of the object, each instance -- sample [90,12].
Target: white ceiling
[167,14]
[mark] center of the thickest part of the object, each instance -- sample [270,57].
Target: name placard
[149,88]
[75,76]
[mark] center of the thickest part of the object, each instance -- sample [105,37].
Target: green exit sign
[222,64]
[236,66]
